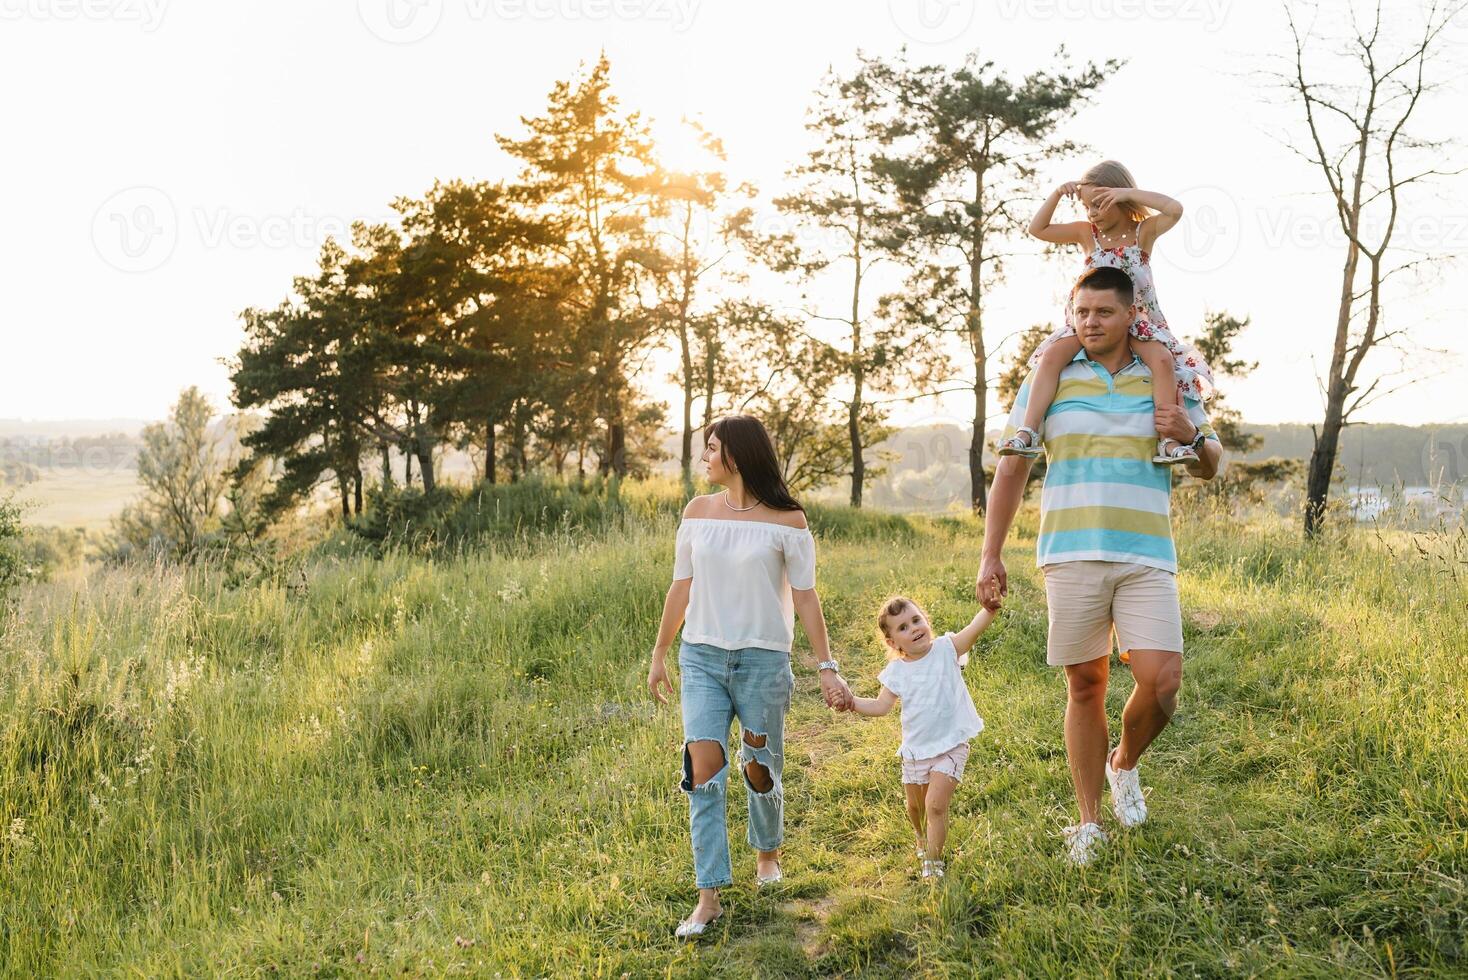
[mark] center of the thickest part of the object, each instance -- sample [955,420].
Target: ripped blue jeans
[716,686]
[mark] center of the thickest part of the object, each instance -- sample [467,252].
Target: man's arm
[1010,476]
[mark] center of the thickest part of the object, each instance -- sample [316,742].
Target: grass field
[85,497]
[444,761]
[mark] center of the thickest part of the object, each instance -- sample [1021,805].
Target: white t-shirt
[937,711]
[742,573]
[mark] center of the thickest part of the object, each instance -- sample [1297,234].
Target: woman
[744,565]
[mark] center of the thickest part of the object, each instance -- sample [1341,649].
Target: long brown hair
[744,439]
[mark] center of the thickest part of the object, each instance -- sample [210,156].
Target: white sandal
[932,868]
[1180,453]
[763,880]
[1014,446]
[688,929]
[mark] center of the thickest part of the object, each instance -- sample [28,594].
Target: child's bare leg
[940,792]
[917,794]
[1158,359]
[1047,378]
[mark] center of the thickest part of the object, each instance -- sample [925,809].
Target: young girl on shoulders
[1119,232]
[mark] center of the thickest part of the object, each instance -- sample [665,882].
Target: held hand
[1173,423]
[992,584]
[1105,197]
[835,692]
[657,679]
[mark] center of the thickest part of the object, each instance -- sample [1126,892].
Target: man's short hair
[1108,277]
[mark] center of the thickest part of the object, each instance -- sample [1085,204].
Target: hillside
[444,760]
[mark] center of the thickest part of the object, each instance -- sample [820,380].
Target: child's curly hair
[892,607]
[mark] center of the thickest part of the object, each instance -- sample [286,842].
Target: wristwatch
[828,665]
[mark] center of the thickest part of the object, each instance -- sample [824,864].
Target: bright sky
[171,163]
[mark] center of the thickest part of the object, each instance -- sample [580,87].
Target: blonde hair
[893,606]
[1110,173]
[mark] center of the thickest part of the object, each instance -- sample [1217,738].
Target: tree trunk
[853,429]
[357,493]
[425,462]
[341,486]
[407,467]
[1322,456]
[386,466]
[853,415]
[489,452]
[978,484]
[687,419]
[1322,462]
[617,448]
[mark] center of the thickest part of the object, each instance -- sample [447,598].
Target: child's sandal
[1179,453]
[1017,446]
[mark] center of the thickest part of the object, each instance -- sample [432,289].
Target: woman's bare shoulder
[790,518]
[699,506]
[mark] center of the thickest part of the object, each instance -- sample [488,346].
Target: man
[1105,547]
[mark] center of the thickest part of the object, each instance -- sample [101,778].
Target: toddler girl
[1119,233]
[938,716]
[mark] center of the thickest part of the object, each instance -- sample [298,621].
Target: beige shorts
[949,763]
[1086,598]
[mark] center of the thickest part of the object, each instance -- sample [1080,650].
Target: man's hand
[835,691]
[1173,423]
[992,584]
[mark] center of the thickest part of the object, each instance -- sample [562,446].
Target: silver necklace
[738,509]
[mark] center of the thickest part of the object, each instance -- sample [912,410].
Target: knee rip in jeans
[713,783]
[759,764]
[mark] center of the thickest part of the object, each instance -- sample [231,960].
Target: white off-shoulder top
[742,574]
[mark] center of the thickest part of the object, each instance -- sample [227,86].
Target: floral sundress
[1194,376]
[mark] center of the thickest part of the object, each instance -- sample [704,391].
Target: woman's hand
[835,690]
[1069,189]
[657,678]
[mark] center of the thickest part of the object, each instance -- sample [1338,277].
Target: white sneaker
[1083,841]
[1126,795]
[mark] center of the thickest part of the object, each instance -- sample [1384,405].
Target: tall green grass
[434,753]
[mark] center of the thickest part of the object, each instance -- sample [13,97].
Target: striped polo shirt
[1104,499]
